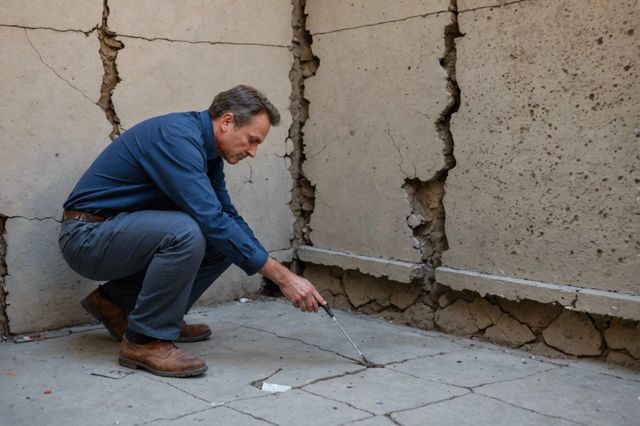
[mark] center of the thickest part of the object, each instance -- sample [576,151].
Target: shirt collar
[208,135]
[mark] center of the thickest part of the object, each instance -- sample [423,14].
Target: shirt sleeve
[177,165]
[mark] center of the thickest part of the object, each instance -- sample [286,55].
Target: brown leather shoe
[160,357]
[193,333]
[113,317]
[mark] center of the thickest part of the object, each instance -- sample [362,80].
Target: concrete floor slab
[278,409]
[381,391]
[61,380]
[473,368]
[380,341]
[217,415]
[476,410]
[373,421]
[574,394]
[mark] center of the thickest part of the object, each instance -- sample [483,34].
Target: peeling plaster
[305,65]
[109,47]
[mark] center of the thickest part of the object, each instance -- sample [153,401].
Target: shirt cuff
[257,260]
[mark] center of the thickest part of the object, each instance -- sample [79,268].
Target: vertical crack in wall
[4,319]
[109,48]
[428,216]
[304,66]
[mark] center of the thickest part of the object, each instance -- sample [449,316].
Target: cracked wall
[305,65]
[532,218]
[374,104]
[51,129]
[81,73]
[546,187]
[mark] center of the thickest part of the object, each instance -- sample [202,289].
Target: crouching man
[153,218]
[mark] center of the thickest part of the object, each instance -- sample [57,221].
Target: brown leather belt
[81,216]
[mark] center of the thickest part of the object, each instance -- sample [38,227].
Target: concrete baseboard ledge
[285,255]
[621,305]
[394,270]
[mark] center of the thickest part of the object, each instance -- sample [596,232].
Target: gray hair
[244,102]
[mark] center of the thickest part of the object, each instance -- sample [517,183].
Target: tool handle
[327,310]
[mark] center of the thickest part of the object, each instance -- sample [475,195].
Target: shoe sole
[133,364]
[193,339]
[89,308]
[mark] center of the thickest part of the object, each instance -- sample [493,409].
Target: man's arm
[298,290]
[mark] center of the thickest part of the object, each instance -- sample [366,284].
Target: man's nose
[253,151]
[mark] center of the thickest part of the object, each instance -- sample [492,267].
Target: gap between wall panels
[4,320]
[305,65]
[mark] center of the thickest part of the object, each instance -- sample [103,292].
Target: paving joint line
[252,416]
[390,413]
[337,400]
[255,383]
[171,419]
[146,376]
[574,365]
[533,411]
[294,339]
[337,376]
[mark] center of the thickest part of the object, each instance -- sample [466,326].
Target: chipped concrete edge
[427,218]
[394,270]
[575,298]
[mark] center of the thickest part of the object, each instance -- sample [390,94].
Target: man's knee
[187,233]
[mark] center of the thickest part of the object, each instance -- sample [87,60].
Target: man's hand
[298,290]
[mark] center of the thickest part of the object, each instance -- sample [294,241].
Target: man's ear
[226,121]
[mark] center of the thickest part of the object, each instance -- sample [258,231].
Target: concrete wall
[469,166]
[72,77]
[371,138]
[475,166]
[546,142]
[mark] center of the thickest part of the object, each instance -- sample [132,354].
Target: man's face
[236,143]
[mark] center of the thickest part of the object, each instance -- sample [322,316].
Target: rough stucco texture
[52,129]
[373,105]
[69,14]
[546,142]
[242,21]
[163,76]
[332,15]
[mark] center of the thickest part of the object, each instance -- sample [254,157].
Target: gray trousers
[157,263]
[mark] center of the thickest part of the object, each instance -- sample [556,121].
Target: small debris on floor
[273,387]
[48,391]
[111,373]
[11,373]
[245,300]
[30,338]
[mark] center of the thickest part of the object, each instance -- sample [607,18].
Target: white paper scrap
[272,387]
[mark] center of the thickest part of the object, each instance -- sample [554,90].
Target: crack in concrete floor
[332,388]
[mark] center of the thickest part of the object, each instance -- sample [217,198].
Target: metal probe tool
[365,361]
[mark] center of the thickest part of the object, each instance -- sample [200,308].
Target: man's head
[242,117]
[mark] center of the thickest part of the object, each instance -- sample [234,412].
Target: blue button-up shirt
[170,163]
